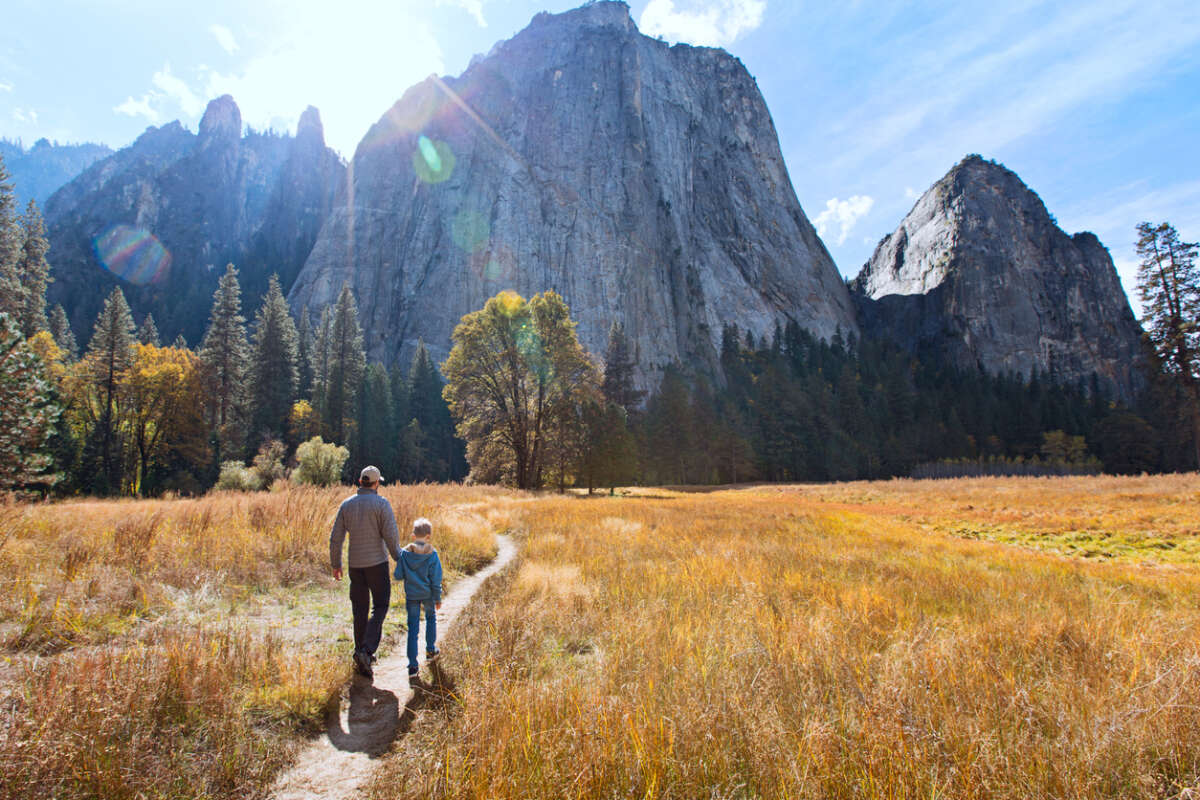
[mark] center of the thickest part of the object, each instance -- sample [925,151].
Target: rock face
[642,182]
[980,274]
[163,216]
[43,168]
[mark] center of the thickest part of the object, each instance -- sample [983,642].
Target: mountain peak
[222,118]
[310,127]
[607,13]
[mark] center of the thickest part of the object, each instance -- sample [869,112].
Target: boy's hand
[337,573]
[437,606]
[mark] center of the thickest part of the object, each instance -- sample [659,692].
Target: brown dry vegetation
[828,642]
[859,640]
[181,648]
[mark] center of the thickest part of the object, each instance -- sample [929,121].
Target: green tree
[377,437]
[109,354]
[1168,281]
[224,353]
[442,450]
[619,366]
[274,371]
[12,293]
[148,332]
[346,366]
[320,365]
[34,272]
[64,337]
[306,343]
[516,373]
[28,413]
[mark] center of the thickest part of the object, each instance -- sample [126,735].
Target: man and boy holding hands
[369,523]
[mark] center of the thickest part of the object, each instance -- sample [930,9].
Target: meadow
[990,638]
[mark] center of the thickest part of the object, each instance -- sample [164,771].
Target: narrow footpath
[363,726]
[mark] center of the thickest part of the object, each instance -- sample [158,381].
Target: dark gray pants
[370,590]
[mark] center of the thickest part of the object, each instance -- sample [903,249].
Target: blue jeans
[414,621]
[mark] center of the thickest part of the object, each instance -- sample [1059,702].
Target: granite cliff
[163,216]
[980,274]
[642,182]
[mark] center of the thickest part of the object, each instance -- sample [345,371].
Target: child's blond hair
[422,528]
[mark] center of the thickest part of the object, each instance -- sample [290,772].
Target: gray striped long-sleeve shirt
[369,520]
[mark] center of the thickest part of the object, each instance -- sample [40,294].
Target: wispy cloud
[472,7]
[224,37]
[25,115]
[710,23]
[173,88]
[137,108]
[5,87]
[845,214]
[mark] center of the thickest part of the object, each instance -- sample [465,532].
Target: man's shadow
[374,720]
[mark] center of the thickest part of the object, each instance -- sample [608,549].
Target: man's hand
[337,573]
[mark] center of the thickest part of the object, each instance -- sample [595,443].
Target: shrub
[268,464]
[236,477]
[320,462]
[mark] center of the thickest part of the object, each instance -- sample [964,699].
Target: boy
[421,570]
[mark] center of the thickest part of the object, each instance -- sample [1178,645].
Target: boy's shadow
[374,720]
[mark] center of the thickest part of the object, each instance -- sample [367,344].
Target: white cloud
[472,7]
[137,108]
[25,115]
[224,37]
[910,193]
[174,88]
[843,213]
[5,87]
[709,23]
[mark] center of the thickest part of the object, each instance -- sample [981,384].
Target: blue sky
[1096,105]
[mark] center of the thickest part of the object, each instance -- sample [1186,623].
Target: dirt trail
[364,724]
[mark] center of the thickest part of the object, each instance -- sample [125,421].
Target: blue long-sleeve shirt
[421,570]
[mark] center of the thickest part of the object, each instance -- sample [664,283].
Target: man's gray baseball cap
[371,475]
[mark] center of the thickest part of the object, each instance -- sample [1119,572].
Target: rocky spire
[222,120]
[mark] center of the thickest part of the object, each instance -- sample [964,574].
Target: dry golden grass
[181,648]
[826,642]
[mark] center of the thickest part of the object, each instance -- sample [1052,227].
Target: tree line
[523,403]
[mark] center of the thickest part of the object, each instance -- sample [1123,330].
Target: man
[369,520]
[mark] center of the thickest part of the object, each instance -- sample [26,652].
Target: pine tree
[442,454]
[180,342]
[148,333]
[223,352]
[274,373]
[619,365]
[64,337]
[1168,281]
[306,343]
[377,435]
[27,413]
[109,354]
[12,293]
[34,272]
[346,364]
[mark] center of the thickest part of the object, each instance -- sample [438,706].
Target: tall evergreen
[442,454]
[347,364]
[274,372]
[180,342]
[619,365]
[320,366]
[223,353]
[1168,281]
[148,332]
[306,343]
[34,272]
[109,354]
[60,329]
[377,436]
[28,413]
[12,293]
